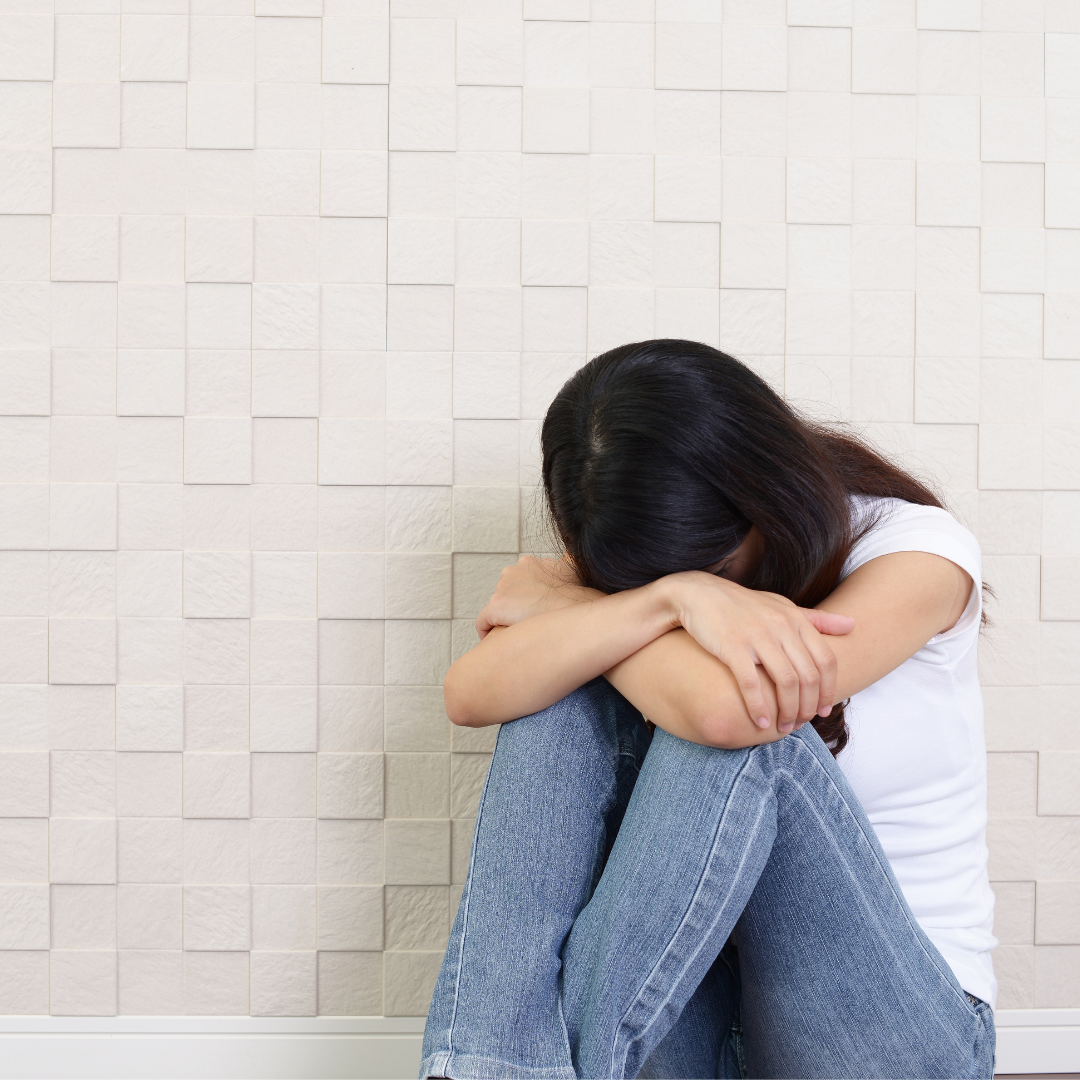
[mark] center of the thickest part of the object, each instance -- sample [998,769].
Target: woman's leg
[705,1041]
[556,791]
[838,979]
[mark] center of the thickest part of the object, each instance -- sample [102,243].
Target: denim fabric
[642,905]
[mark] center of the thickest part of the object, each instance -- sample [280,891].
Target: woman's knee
[594,717]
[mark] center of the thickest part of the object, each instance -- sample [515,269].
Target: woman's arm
[899,602]
[520,669]
[543,635]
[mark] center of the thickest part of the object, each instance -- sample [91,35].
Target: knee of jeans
[591,715]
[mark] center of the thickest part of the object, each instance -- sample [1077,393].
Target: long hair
[659,456]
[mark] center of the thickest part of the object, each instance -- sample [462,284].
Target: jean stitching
[694,902]
[917,930]
[465,922]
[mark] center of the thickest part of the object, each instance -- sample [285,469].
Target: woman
[770,884]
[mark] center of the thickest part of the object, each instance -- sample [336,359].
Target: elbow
[716,721]
[456,701]
[454,704]
[715,730]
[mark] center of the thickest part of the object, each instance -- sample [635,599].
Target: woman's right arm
[543,635]
[520,669]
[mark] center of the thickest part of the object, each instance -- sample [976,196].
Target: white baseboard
[1038,1040]
[346,1048]
[209,1048]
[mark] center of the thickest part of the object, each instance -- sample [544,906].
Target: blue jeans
[640,905]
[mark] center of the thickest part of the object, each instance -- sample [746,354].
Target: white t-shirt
[917,755]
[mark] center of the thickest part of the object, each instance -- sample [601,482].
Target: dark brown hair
[658,456]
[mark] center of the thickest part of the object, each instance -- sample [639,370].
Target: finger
[802,660]
[748,677]
[827,622]
[786,680]
[825,661]
[483,624]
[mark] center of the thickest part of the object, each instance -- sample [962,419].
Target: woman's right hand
[747,629]
[530,587]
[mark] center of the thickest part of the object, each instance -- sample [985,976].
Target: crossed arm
[703,658]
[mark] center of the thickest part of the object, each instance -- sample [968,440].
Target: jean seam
[695,900]
[467,901]
[947,975]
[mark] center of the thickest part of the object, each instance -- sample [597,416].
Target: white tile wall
[284,289]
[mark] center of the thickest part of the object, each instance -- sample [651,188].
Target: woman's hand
[530,587]
[745,629]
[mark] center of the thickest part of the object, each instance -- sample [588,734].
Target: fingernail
[785,728]
[762,721]
[825,710]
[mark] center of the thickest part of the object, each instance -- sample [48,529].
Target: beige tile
[485,518]
[351,719]
[350,918]
[216,983]
[82,983]
[417,785]
[1014,966]
[83,916]
[217,918]
[1058,848]
[350,983]
[417,916]
[1059,712]
[1057,977]
[350,853]
[283,983]
[350,652]
[283,917]
[149,917]
[1057,913]
[1011,784]
[1012,849]
[475,578]
[350,785]
[1059,782]
[1013,718]
[417,852]
[409,979]
[282,785]
[284,851]
[467,775]
[24,982]
[1014,912]
[415,719]
[151,983]
[461,838]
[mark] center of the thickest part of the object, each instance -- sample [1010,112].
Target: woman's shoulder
[883,526]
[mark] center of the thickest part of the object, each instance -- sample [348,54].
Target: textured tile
[284,293]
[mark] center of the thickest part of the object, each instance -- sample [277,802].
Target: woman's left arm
[898,601]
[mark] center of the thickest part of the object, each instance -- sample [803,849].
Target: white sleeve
[903,526]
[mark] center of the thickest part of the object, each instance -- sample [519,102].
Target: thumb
[825,622]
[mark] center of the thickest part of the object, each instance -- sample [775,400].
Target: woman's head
[661,456]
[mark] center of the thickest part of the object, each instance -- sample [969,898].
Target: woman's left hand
[529,587]
[752,631]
